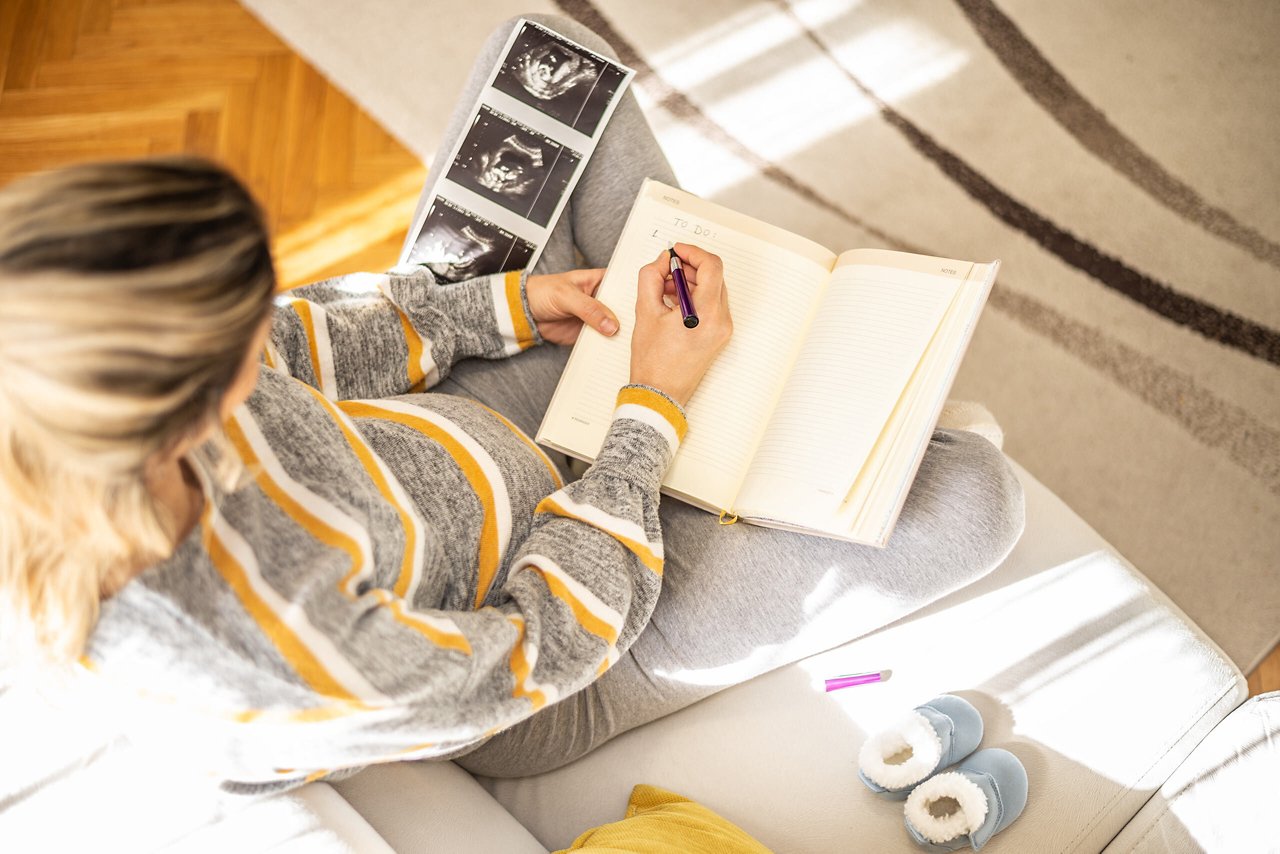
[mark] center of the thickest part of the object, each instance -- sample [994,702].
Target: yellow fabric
[661,822]
[659,403]
[515,303]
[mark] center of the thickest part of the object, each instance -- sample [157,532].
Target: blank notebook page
[830,413]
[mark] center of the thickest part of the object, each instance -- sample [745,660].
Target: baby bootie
[937,734]
[968,804]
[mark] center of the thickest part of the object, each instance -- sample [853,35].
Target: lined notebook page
[772,293]
[869,334]
[877,496]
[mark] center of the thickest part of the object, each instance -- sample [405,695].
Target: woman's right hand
[664,353]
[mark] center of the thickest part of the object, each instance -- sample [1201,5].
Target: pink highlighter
[849,680]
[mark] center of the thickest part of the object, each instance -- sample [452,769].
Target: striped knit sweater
[404,573]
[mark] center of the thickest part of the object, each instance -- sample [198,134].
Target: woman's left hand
[562,302]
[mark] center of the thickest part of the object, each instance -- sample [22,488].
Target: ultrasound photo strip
[530,134]
[560,78]
[515,166]
[456,244]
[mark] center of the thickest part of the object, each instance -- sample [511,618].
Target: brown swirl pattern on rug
[1247,441]
[1093,130]
[1208,320]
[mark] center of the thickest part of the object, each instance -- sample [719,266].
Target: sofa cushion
[434,807]
[1079,666]
[1223,796]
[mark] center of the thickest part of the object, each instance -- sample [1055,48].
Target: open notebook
[816,415]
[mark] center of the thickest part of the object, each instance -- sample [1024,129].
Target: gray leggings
[737,601]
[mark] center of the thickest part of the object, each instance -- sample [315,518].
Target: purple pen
[852,679]
[682,290]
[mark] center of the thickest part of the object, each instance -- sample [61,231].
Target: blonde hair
[130,294]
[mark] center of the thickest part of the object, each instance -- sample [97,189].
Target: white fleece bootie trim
[966,819]
[915,732]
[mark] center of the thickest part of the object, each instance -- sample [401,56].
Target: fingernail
[608,326]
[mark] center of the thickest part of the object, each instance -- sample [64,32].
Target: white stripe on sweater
[325,372]
[654,419]
[294,617]
[317,506]
[278,361]
[607,522]
[427,361]
[502,311]
[400,497]
[580,593]
[488,466]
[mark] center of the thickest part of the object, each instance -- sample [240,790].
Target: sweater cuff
[511,308]
[649,406]
[643,438]
[490,313]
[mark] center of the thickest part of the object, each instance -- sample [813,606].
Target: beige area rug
[1118,157]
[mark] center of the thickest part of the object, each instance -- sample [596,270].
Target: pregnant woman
[310,530]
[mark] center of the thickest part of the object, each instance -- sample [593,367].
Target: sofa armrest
[1223,796]
[312,819]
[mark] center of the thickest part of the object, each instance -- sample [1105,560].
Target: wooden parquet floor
[94,79]
[1267,677]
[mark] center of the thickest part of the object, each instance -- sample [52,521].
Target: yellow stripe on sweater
[488,552]
[303,308]
[585,618]
[417,376]
[610,657]
[643,551]
[592,622]
[520,434]
[404,581]
[520,322]
[454,640]
[522,668]
[286,641]
[308,521]
[658,403]
[311,715]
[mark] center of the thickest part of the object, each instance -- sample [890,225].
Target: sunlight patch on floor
[734,42]
[701,164]
[346,228]
[791,111]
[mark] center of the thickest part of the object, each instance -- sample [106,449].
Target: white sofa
[1079,665]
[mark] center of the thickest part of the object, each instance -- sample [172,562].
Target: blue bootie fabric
[967,805]
[934,735]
